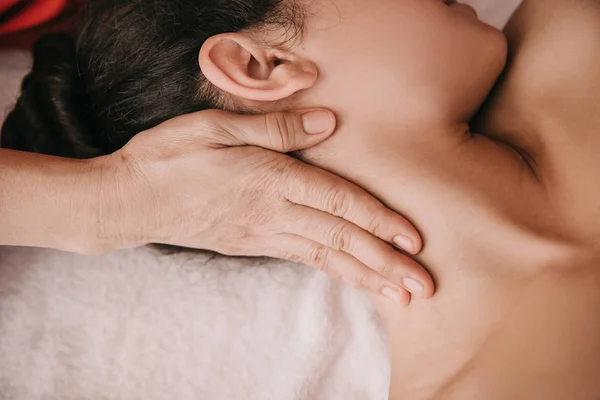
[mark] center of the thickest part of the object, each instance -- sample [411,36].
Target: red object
[6,4]
[23,21]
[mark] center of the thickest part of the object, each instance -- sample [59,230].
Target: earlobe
[238,65]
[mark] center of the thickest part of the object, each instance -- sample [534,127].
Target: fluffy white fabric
[141,325]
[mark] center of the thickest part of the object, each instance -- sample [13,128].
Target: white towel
[137,324]
[140,325]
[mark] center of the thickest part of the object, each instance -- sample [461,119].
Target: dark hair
[133,65]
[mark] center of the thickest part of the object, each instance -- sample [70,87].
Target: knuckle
[386,270]
[376,221]
[341,237]
[387,259]
[295,258]
[362,280]
[279,130]
[339,201]
[266,179]
[321,256]
[289,172]
[295,179]
[375,227]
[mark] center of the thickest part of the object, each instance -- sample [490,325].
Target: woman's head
[400,59]
[137,63]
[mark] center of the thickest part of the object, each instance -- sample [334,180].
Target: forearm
[51,202]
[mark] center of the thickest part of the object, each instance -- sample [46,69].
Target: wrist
[100,230]
[122,212]
[92,228]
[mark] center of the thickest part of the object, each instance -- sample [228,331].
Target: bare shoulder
[555,52]
[548,102]
[553,73]
[534,18]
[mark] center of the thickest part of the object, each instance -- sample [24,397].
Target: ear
[236,64]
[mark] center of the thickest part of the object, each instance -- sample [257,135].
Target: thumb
[283,131]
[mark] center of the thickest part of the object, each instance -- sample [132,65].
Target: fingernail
[392,294]
[412,285]
[405,243]
[316,122]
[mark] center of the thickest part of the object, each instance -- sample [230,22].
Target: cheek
[369,64]
[389,61]
[462,56]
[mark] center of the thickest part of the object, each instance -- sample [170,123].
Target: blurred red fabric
[23,21]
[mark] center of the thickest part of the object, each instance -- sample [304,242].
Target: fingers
[372,252]
[279,131]
[339,265]
[326,192]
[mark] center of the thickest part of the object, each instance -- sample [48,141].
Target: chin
[482,74]
[497,59]
[490,61]
[494,47]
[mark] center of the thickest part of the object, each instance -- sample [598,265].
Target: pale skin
[215,181]
[509,214]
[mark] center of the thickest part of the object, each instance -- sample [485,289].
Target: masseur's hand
[219,181]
